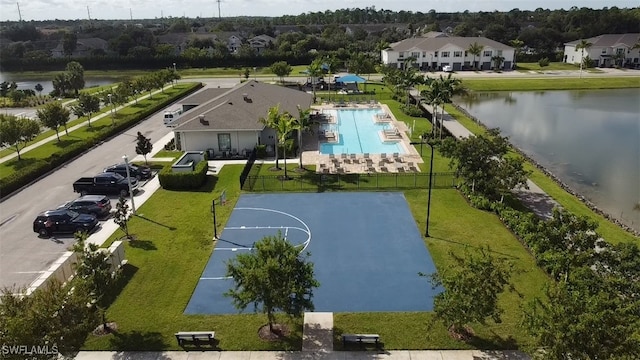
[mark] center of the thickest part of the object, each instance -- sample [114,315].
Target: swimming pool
[358,133]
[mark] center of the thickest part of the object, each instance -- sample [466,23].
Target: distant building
[261,42]
[606,50]
[84,47]
[436,50]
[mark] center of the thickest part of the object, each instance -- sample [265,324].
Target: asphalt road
[23,255]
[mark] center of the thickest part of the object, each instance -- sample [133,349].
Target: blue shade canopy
[350,78]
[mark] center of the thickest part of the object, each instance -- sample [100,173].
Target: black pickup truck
[105,183]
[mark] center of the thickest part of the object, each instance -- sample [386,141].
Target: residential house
[436,50]
[229,122]
[261,42]
[84,47]
[606,50]
[234,42]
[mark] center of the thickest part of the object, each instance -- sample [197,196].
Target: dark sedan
[136,171]
[52,222]
[97,205]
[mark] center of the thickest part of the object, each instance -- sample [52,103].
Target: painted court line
[216,278]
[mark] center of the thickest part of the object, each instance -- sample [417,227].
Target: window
[499,52]
[604,51]
[465,54]
[424,54]
[415,55]
[401,54]
[445,54]
[487,53]
[224,142]
[436,54]
[457,53]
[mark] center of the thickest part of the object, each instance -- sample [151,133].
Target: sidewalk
[304,355]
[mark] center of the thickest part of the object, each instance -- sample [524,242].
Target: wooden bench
[361,339]
[195,337]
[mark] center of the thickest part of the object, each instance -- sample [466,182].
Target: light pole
[133,205]
[255,69]
[215,228]
[426,232]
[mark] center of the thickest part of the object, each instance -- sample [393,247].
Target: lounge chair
[332,156]
[384,169]
[366,155]
[343,156]
[340,170]
[371,169]
[354,158]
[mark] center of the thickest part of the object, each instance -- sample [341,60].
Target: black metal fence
[326,182]
[247,168]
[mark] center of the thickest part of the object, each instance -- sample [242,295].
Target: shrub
[188,180]
[261,151]
[543,62]
[411,110]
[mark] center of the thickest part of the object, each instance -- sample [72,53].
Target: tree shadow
[143,244]
[94,128]
[65,143]
[126,274]
[494,342]
[22,163]
[492,250]
[136,341]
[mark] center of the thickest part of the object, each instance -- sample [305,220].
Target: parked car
[96,205]
[138,172]
[63,221]
[447,68]
[105,183]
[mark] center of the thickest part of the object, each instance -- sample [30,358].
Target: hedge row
[187,180]
[40,167]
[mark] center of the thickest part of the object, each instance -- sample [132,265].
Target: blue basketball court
[366,249]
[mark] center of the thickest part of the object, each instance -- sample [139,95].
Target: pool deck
[383,163]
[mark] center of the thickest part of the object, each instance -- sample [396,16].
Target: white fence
[63,269]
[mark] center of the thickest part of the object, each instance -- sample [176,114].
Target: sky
[149,9]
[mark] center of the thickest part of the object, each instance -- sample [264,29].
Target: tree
[434,95]
[281,69]
[53,115]
[39,88]
[475,49]
[121,216]
[15,132]
[52,316]
[471,291]
[566,242]
[61,84]
[75,76]
[143,146]
[284,127]
[577,321]
[301,124]
[497,62]
[93,271]
[481,162]
[274,276]
[582,46]
[517,45]
[87,105]
[273,116]
[69,43]
[314,70]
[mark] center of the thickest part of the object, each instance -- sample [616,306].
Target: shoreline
[558,181]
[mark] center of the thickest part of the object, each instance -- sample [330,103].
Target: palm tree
[273,116]
[315,71]
[475,49]
[284,126]
[582,45]
[433,94]
[497,61]
[301,124]
[450,87]
[517,45]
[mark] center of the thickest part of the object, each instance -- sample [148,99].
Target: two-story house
[436,50]
[606,50]
[261,42]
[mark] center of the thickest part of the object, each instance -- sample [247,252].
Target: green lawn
[45,150]
[552,66]
[551,83]
[168,154]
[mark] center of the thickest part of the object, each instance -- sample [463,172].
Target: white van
[171,116]
[447,68]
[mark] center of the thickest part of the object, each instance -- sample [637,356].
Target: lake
[590,139]
[30,82]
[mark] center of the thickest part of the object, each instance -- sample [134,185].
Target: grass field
[559,83]
[552,66]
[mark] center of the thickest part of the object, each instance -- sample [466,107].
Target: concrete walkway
[317,332]
[305,355]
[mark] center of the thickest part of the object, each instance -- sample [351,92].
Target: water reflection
[589,138]
[25,83]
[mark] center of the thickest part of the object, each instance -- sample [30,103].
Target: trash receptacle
[210,153]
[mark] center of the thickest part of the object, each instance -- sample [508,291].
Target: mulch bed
[280,331]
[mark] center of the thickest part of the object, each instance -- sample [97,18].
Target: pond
[590,139]
[25,83]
